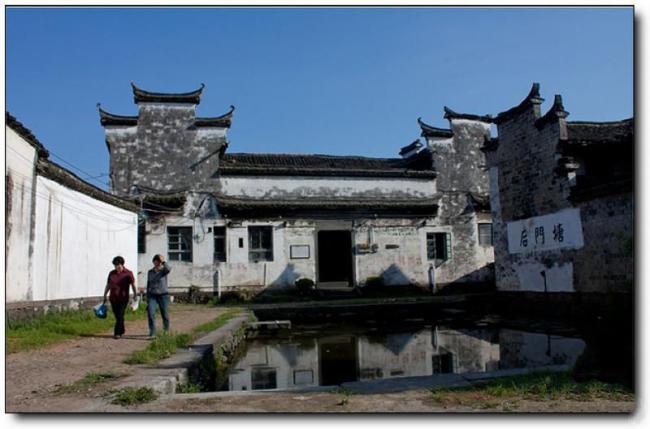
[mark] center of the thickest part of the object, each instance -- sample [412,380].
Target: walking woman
[157,294]
[118,284]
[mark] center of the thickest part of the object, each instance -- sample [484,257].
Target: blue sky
[349,81]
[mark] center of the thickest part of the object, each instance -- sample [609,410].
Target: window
[142,238]
[179,243]
[485,234]
[260,243]
[438,246]
[443,363]
[263,378]
[219,243]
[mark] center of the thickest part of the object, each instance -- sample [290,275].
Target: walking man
[157,294]
[118,284]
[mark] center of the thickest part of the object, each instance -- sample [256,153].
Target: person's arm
[133,286]
[164,269]
[106,289]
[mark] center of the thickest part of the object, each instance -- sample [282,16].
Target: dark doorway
[338,360]
[335,256]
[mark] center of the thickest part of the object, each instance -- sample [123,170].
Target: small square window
[179,243]
[260,243]
[485,234]
[438,247]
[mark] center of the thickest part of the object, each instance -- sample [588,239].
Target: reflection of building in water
[475,350]
[276,366]
[336,359]
[525,349]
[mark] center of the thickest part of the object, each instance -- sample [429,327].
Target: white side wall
[19,174]
[76,237]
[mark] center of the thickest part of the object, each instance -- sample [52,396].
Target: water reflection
[308,357]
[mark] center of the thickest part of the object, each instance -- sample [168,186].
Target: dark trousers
[154,301]
[119,308]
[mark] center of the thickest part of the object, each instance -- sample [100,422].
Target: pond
[331,354]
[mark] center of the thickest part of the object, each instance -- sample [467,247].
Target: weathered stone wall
[543,241]
[165,151]
[606,262]
[460,166]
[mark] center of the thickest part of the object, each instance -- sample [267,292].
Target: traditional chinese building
[243,220]
[562,198]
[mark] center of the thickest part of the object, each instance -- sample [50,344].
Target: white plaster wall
[473,351]
[559,278]
[237,270]
[294,187]
[20,169]
[76,239]
[406,264]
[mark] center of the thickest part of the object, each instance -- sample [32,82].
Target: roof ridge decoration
[106,118]
[429,131]
[603,123]
[554,113]
[223,121]
[450,114]
[412,146]
[142,96]
[27,134]
[531,99]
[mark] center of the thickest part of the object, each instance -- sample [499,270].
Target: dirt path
[413,401]
[31,377]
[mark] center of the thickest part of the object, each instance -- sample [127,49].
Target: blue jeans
[154,301]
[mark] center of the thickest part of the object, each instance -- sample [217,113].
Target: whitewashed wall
[305,186]
[19,172]
[76,238]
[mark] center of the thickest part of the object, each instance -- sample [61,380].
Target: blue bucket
[100,311]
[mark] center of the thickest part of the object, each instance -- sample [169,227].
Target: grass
[132,396]
[42,330]
[89,380]
[165,345]
[541,386]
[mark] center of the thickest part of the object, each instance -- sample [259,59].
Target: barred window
[438,246]
[179,243]
[260,243]
[485,234]
[219,243]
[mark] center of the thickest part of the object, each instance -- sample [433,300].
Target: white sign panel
[560,230]
[299,251]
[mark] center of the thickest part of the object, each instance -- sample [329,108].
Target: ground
[32,377]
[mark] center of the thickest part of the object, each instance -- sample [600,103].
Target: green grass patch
[217,323]
[42,330]
[132,396]
[89,380]
[188,388]
[159,348]
[540,386]
[165,345]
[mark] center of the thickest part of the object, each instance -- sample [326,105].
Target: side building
[61,232]
[562,198]
[229,221]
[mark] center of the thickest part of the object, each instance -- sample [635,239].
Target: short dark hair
[118,260]
[156,258]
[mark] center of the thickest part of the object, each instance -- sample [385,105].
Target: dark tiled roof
[26,133]
[556,111]
[585,133]
[192,97]
[106,118]
[322,165]
[413,146]
[67,178]
[223,121]
[450,114]
[247,206]
[533,97]
[429,131]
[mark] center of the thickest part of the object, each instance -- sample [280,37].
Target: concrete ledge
[177,369]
